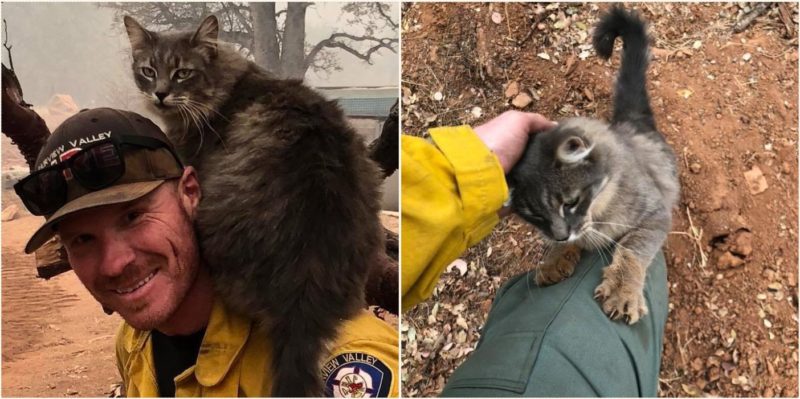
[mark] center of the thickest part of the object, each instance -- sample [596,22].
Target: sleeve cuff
[480,178]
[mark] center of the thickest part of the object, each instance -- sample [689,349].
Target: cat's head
[557,181]
[176,71]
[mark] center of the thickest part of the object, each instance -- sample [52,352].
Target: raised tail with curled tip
[631,103]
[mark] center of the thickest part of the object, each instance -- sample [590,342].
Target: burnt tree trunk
[294,38]
[25,127]
[265,28]
[29,132]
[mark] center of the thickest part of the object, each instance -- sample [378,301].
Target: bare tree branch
[238,26]
[333,42]
[5,44]
[386,17]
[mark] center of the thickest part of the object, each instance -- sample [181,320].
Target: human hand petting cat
[507,134]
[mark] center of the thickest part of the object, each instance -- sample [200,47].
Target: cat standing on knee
[590,184]
[289,223]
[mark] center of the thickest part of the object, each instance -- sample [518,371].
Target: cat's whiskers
[611,240]
[599,244]
[185,123]
[185,118]
[196,122]
[623,225]
[207,107]
[548,247]
[202,116]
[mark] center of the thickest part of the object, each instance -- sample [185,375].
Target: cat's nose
[161,96]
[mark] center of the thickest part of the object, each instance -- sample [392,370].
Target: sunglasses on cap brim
[95,167]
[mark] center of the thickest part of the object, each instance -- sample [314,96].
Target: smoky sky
[78,49]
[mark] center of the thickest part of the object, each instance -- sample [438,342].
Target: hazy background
[78,49]
[70,56]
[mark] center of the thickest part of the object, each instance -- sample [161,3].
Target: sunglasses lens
[43,193]
[98,167]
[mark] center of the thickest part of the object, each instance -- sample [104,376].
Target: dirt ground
[56,339]
[726,102]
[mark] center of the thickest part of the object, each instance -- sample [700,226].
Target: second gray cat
[590,184]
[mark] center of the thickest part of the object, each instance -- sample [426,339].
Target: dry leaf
[691,390]
[571,65]
[459,264]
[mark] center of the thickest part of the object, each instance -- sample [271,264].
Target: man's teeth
[135,287]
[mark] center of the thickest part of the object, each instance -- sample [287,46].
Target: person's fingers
[537,122]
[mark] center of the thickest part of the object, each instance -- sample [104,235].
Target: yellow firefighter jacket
[452,189]
[234,360]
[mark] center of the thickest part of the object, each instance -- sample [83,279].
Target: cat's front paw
[621,293]
[557,268]
[621,302]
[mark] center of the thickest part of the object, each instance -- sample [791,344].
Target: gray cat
[589,184]
[288,223]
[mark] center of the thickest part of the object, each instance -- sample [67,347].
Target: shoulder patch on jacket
[356,375]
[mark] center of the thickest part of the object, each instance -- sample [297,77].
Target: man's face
[138,258]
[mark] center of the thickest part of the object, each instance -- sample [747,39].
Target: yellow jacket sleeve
[452,190]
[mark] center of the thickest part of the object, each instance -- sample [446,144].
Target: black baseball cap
[145,169]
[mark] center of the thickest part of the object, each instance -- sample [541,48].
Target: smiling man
[111,186]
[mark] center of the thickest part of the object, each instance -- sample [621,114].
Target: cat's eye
[148,72]
[183,73]
[571,203]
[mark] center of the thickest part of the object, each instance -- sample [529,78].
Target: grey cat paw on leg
[621,293]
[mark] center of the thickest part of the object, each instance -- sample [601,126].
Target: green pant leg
[556,341]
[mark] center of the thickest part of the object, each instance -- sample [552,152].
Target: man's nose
[117,254]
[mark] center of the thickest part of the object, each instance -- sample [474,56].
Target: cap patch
[356,375]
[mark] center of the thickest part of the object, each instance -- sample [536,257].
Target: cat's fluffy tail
[631,103]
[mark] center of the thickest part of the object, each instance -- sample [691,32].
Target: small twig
[434,75]
[697,237]
[785,15]
[681,349]
[411,82]
[5,44]
[508,24]
[748,18]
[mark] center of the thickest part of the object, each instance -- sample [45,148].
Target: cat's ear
[139,37]
[207,33]
[574,149]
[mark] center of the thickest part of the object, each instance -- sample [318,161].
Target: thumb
[538,123]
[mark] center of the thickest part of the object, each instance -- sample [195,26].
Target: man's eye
[81,239]
[148,72]
[133,216]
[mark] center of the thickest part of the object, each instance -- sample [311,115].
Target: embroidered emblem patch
[356,375]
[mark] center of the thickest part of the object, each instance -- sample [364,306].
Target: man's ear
[189,191]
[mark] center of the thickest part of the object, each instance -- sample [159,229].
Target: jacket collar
[226,334]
